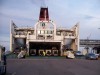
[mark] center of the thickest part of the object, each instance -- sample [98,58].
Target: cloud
[88,17]
[65,14]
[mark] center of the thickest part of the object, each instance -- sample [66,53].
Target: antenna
[89,37]
[87,47]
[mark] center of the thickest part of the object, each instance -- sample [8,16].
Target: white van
[70,55]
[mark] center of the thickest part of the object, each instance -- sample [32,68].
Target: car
[70,55]
[99,55]
[78,53]
[91,56]
[17,51]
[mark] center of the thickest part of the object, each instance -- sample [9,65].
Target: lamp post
[87,45]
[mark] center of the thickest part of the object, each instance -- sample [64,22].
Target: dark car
[78,53]
[98,55]
[92,56]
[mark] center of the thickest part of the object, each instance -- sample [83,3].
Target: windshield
[91,54]
[78,52]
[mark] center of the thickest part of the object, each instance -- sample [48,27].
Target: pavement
[53,67]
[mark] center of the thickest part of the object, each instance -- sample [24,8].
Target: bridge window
[39,32]
[42,31]
[50,32]
[42,24]
[58,33]
[70,34]
[46,32]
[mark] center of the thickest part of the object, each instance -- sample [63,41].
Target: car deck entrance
[50,48]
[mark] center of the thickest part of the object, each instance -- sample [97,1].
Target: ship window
[42,32]
[49,32]
[46,32]
[43,24]
[39,32]
[66,34]
[58,33]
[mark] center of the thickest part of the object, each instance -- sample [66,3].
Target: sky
[65,13]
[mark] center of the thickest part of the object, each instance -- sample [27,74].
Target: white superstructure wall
[43,32]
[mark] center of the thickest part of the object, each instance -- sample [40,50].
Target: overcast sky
[65,13]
